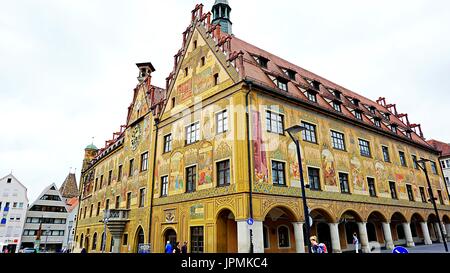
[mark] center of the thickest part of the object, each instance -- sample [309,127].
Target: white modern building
[46,217]
[13,208]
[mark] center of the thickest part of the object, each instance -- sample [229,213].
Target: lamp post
[293,133]
[432,198]
[105,221]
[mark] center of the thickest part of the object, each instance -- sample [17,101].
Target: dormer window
[261,61]
[408,134]
[311,96]
[337,106]
[337,94]
[358,115]
[372,110]
[377,122]
[387,116]
[289,73]
[356,102]
[281,83]
[315,85]
[394,128]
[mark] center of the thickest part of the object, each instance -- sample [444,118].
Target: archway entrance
[226,232]
[169,236]
[375,227]
[321,228]
[416,228]
[86,244]
[348,223]
[139,239]
[280,231]
[398,231]
[432,228]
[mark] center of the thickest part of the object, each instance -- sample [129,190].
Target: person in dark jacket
[83,250]
[177,248]
[184,248]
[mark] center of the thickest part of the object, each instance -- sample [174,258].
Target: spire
[69,188]
[221,15]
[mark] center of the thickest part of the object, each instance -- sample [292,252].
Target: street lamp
[294,134]
[432,198]
[105,221]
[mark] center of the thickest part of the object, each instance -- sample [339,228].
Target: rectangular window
[377,122]
[90,212]
[144,162]
[282,84]
[222,122]
[410,192]
[312,96]
[386,155]
[216,79]
[358,115]
[337,106]
[98,209]
[130,171]
[309,134]
[84,215]
[168,143]
[197,240]
[338,140]
[128,200]
[142,198]
[314,179]
[203,61]
[164,186]
[414,159]
[101,181]
[372,189]
[394,129]
[107,204]
[193,133]
[364,148]
[441,200]
[278,177]
[343,179]
[125,239]
[443,164]
[223,173]
[402,159]
[119,175]
[433,167]
[191,179]
[109,177]
[117,202]
[274,122]
[393,189]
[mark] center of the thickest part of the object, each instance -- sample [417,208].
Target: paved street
[435,248]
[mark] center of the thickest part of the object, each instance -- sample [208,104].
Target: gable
[199,82]
[139,107]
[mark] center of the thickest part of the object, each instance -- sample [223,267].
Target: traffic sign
[250,221]
[400,250]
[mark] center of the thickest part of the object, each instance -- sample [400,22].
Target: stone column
[364,240]
[243,234]
[116,247]
[447,227]
[438,231]
[335,241]
[299,238]
[387,235]
[408,235]
[426,233]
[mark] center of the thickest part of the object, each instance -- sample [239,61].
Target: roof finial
[92,140]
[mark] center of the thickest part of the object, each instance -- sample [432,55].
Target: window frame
[269,122]
[341,184]
[164,185]
[225,170]
[402,157]
[288,237]
[410,192]
[142,196]
[371,180]
[167,144]
[277,172]
[222,118]
[311,137]
[308,168]
[394,194]
[360,140]
[144,162]
[388,159]
[194,182]
[195,133]
[337,142]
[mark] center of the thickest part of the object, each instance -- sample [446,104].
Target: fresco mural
[293,165]
[205,164]
[197,212]
[401,186]
[259,153]
[359,185]
[381,175]
[176,172]
[184,91]
[329,169]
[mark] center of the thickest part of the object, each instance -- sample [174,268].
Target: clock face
[135,136]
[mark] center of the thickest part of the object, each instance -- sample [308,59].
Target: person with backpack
[356,242]
[316,247]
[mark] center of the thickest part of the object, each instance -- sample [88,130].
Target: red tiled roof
[72,203]
[444,148]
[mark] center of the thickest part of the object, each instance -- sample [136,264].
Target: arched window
[102,245]
[81,241]
[94,241]
[283,237]
[266,237]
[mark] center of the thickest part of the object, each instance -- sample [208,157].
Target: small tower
[221,14]
[89,153]
[145,69]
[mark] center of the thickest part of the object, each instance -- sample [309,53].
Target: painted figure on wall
[329,168]
[259,153]
[400,181]
[205,164]
[176,172]
[381,177]
[358,181]
[293,165]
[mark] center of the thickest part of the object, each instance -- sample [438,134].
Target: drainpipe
[153,183]
[250,177]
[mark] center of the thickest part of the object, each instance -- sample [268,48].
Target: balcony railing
[114,215]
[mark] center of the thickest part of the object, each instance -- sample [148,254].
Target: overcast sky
[67,68]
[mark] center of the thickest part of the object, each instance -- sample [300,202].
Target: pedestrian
[177,248]
[356,242]
[169,247]
[184,248]
[83,250]
[316,247]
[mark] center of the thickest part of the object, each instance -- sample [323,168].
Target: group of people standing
[176,248]
[322,248]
